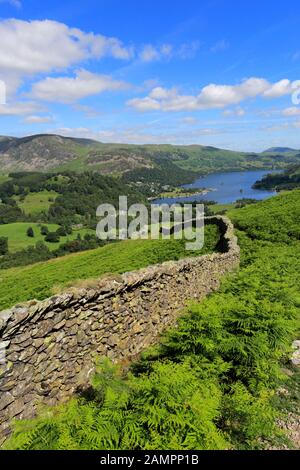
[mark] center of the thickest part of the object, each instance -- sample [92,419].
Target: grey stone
[6,399]
[43,329]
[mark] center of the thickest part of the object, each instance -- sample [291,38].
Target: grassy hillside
[39,280]
[214,381]
[18,239]
[35,203]
[276,219]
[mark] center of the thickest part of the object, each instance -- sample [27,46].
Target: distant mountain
[39,152]
[281,150]
[142,163]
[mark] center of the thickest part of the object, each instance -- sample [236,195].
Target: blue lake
[226,187]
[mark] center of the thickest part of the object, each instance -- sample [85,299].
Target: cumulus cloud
[31,47]
[72,89]
[211,96]
[20,109]
[281,88]
[38,119]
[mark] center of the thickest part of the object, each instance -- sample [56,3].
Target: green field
[217,208]
[39,280]
[18,239]
[35,203]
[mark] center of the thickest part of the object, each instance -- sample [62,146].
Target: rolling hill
[138,162]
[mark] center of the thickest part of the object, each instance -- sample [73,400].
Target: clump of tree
[3,245]
[41,252]
[9,211]
[29,255]
[30,232]
[288,180]
[64,230]
[44,230]
[52,237]
[239,203]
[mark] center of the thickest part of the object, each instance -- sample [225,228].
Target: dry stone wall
[50,346]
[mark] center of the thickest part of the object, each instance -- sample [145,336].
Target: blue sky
[219,72]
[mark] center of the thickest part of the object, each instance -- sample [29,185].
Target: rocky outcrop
[49,347]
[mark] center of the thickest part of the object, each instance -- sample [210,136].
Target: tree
[30,232]
[61,232]
[3,245]
[44,230]
[52,237]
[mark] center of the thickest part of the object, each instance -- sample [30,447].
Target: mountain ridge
[44,152]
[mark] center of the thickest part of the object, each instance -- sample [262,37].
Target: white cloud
[151,53]
[188,50]
[208,131]
[190,120]
[14,3]
[31,47]
[283,126]
[281,88]
[20,109]
[211,96]
[38,119]
[70,89]
[238,112]
[220,46]
[293,111]
[137,135]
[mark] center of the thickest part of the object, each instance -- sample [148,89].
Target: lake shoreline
[223,187]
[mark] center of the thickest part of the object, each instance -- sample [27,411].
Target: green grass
[18,239]
[39,280]
[35,203]
[217,208]
[273,219]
